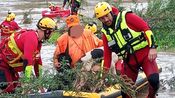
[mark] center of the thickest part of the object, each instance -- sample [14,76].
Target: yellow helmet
[10,16]
[92,27]
[46,23]
[101,9]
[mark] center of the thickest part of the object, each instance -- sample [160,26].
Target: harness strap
[15,47]
[128,45]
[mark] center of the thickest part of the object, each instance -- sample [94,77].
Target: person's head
[74,27]
[103,12]
[91,26]
[45,26]
[10,16]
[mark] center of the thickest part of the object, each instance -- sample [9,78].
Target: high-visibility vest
[123,39]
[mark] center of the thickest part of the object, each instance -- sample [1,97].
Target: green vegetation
[70,80]
[160,16]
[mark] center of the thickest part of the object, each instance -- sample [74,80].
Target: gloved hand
[28,72]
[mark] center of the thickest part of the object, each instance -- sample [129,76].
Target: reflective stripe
[14,48]
[16,65]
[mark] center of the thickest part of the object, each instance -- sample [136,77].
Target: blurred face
[76,31]
[107,19]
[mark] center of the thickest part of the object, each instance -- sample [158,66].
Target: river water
[165,60]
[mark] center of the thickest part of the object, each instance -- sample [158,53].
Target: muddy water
[165,60]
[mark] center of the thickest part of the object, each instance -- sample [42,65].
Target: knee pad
[154,81]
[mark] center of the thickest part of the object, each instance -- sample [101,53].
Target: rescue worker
[75,5]
[8,26]
[130,37]
[75,43]
[21,53]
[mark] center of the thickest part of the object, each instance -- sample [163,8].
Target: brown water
[165,60]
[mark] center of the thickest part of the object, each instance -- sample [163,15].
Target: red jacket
[27,42]
[134,22]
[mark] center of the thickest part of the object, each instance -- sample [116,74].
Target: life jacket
[123,39]
[12,54]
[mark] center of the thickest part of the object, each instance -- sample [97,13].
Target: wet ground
[165,60]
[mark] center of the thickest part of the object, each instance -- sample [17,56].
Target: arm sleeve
[107,54]
[138,24]
[98,42]
[38,62]
[29,48]
[61,45]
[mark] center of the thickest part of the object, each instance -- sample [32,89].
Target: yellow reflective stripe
[28,72]
[16,65]
[15,59]
[12,45]
[149,33]
[12,40]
